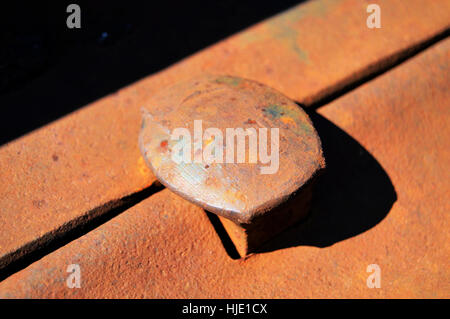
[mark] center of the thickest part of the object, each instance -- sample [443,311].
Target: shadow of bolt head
[237,148]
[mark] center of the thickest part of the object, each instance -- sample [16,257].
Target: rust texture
[252,237]
[318,47]
[227,185]
[165,246]
[60,176]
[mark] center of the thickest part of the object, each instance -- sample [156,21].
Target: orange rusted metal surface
[67,173]
[393,131]
[64,174]
[218,169]
[318,47]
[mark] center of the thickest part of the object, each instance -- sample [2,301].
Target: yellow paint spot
[142,167]
[156,161]
[234,196]
[289,121]
[209,141]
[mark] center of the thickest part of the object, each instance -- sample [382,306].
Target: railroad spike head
[238,149]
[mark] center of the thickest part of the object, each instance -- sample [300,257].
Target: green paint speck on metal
[229,80]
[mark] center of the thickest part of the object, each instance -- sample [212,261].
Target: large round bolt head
[233,146]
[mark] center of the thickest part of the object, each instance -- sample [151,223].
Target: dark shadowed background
[48,70]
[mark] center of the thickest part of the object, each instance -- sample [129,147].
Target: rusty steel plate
[61,176]
[236,187]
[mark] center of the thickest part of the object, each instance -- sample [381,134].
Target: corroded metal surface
[77,167]
[166,247]
[68,173]
[318,47]
[81,165]
[230,187]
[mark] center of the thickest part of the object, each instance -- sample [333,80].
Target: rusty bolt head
[244,189]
